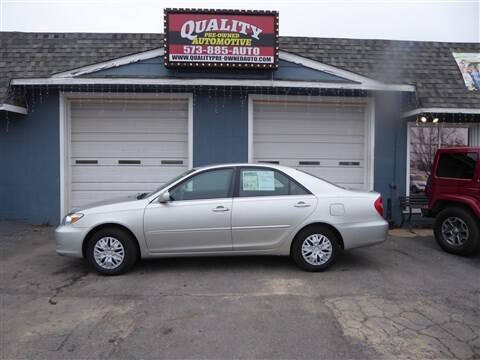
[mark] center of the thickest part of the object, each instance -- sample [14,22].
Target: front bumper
[69,240]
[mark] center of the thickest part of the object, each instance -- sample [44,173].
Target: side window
[207,185]
[457,165]
[267,182]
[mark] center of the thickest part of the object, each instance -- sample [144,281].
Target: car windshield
[318,177]
[167,184]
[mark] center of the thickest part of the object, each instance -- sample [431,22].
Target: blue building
[90,116]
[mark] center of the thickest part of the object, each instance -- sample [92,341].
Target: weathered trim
[14,108]
[440,111]
[125,60]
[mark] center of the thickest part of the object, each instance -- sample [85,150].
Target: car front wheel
[457,231]
[111,251]
[315,249]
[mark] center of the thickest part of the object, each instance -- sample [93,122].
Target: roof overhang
[207,82]
[439,110]
[14,109]
[71,77]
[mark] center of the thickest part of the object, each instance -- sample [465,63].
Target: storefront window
[424,142]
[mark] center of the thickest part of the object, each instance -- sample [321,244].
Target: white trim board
[440,111]
[208,82]
[64,128]
[125,60]
[14,108]
[369,103]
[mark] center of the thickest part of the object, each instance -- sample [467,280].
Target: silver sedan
[236,209]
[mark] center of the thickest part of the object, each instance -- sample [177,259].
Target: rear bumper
[364,234]
[69,240]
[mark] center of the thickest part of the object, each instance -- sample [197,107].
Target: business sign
[221,38]
[469,66]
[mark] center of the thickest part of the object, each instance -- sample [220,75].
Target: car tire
[315,249]
[116,247]
[457,231]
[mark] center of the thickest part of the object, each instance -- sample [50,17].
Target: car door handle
[301,204]
[220,208]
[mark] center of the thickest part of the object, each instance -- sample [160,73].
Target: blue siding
[30,164]
[390,150]
[154,67]
[220,128]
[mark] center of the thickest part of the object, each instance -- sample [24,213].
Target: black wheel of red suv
[457,231]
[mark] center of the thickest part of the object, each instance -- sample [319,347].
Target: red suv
[453,191]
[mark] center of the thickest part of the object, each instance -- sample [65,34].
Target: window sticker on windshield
[258,181]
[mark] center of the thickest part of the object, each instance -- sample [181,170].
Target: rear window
[457,165]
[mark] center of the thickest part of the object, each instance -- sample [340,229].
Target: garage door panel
[143,161]
[299,163]
[129,136]
[337,174]
[302,108]
[130,149]
[309,150]
[294,127]
[119,109]
[126,173]
[130,186]
[134,125]
[309,138]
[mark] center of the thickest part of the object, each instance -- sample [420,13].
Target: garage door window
[267,182]
[208,185]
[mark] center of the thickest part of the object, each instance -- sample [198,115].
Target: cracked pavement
[402,299]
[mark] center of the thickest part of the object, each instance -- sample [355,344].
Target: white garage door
[326,139]
[122,147]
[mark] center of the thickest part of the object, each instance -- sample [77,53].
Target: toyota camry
[232,209]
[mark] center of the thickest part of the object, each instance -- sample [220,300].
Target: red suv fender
[460,199]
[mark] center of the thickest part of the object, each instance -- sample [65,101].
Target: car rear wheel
[111,251]
[315,249]
[457,231]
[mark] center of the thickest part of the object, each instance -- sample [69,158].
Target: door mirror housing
[164,197]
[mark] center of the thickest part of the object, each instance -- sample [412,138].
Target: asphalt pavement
[404,298]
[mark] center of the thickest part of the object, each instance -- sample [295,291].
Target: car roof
[216,166]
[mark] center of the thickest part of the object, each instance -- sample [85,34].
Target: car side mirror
[164,197]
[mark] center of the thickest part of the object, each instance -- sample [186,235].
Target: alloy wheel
[108,253]
[455,231]
[316,249]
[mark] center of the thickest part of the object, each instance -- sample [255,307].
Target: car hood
[113,201]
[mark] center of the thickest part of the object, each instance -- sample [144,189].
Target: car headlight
[72,218]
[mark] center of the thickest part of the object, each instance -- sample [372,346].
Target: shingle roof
[429,66]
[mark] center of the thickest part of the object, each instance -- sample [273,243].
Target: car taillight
[379,206]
